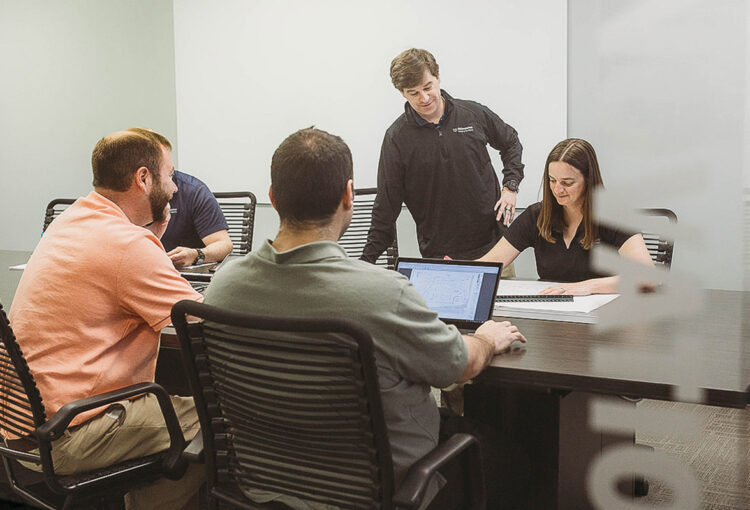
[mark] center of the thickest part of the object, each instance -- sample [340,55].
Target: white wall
[250,73]
[660,88]
[661,91]
[72,72]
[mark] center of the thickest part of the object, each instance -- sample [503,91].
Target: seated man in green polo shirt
[304,271]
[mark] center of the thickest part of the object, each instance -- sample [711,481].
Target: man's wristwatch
[200,258]
[512,185]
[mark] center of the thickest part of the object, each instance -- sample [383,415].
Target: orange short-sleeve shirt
[91,302]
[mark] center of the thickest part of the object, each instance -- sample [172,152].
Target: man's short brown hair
[407,69]
[309,174]
[117,156]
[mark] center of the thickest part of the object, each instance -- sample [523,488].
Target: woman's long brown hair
[580,155]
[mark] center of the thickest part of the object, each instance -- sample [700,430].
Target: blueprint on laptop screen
[450,293]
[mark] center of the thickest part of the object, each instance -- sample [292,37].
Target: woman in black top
[561,228]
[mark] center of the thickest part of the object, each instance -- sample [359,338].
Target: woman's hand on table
[569,289]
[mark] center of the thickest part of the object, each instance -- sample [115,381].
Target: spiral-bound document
[536,306]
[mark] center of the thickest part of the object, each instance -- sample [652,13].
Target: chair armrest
[6,451]
[411,492]
[193,452]
[54,427]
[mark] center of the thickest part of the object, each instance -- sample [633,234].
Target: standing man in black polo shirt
[434,159]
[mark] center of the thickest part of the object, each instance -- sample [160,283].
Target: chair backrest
[660,248]
[21,408]
[239,210]
[287,405]
[354,239]
[54,208]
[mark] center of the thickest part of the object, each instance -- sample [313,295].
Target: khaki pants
[129,429]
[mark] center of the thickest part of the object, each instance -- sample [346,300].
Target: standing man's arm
[387,203]
[504,138]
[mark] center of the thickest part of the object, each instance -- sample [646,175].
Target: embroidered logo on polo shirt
[467,129]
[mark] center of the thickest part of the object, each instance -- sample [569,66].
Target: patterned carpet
[720,459]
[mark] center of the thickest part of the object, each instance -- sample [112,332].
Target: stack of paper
[581,309]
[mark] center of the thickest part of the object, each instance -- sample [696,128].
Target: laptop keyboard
[199,287]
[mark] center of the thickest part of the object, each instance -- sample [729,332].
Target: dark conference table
[539,392]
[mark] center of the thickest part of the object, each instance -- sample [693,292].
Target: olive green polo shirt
[414,350]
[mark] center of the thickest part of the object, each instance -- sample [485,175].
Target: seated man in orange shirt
[87,314]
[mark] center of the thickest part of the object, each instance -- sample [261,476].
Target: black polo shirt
[445,177]
[554,261]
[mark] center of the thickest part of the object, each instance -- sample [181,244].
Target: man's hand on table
[500,334]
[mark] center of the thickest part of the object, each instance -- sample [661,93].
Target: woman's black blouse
[555,262]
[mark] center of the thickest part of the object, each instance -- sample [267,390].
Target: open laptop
[199,272]
[462,292]
[200,276]
[227,259]
[204,272]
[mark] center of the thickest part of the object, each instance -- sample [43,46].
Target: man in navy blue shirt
[197,230]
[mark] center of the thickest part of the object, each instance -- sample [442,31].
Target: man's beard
[159,200]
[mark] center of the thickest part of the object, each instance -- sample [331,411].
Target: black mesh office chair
[239,210]
[292,406]
[354,239]
[660,248]
[22,414]
[54,208]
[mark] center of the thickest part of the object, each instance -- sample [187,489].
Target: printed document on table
[579,310]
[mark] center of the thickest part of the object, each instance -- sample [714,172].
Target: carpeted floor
[720,459]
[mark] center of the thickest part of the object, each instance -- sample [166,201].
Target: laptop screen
[227,259]
[462,292]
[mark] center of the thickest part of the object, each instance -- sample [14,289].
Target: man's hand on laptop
[182,256]
[501,334]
